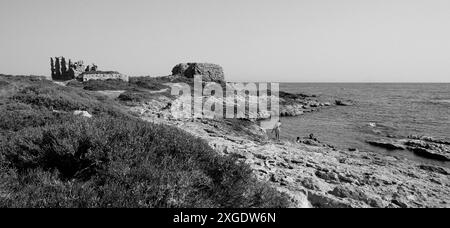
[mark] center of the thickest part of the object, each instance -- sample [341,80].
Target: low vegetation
[135,91]
[135,83]
[135,96]
[50,158]
[148,83]
[99,85]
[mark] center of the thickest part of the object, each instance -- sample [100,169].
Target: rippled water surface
[380,110]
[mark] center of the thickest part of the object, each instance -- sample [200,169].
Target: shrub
[65,99]
[147,83]
[111,84]
[134,83]
[3,84]
[17,116]
[134,96]
[111,163]
[138,96]
[100,85]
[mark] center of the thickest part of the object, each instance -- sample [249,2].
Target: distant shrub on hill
[3,84]
[99,85]
[134,96]
[167,79]
[137,96]
[148,83]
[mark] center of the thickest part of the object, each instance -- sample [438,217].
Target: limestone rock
[386,144]
[102,75]
[426,147]
[431,154]
[343,103]
[292,105]
[82,114]
[434,169]
[209,72]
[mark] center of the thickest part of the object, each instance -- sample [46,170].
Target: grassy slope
[135,83]
[50,158]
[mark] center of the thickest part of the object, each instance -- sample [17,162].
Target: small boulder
[434,169]
[310,183]
[82,114]
[343,103]
[328,176]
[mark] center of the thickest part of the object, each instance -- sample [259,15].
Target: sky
[254,40]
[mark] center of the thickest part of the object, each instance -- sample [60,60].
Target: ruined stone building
[63,71]
[209,72]
[102,75]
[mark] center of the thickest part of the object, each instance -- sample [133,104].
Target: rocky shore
[292,105]
[315,174]
[422,146]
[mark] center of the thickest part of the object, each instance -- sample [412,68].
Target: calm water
[396,109]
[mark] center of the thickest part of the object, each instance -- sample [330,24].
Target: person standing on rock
[277,130]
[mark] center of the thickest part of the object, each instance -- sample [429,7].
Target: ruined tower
[57,75]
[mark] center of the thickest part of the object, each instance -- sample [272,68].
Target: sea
[379,110]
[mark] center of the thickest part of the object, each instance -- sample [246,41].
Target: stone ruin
[65,71]
[209,72]
[102,75]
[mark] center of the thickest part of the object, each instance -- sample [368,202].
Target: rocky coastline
[292,105]
[315,174]
[423,146]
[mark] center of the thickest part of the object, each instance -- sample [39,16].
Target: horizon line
[287,82]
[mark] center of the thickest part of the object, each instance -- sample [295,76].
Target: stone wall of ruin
[103,76]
